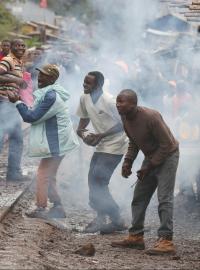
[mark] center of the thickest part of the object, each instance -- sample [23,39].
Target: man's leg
[166,175]
[2,127]
[166,182]
[15,151]
[1,138]
[52,188]
[103,166]
[41,189]
[42,182]
[198,186]
[57,211]
[143,192]
[46,172]
[96,224]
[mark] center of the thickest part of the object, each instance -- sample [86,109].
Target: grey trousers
[102,166]
[162,178]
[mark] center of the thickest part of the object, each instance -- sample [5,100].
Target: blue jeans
[10,124]
[102,166]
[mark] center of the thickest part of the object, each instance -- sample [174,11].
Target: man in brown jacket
[148,132]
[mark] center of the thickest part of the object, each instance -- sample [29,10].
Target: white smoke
[118,45]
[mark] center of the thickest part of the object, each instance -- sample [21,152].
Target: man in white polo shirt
[111,143]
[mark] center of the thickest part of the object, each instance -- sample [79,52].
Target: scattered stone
[41,253]
[86,250]
[176,258]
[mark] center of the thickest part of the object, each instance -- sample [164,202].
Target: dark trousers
[10,124]
[162,178]
[101,169]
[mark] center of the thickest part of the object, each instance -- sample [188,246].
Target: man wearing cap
[51,136]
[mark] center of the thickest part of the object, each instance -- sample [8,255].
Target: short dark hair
[131,93]
[13,41]
[5,40]
[98,77]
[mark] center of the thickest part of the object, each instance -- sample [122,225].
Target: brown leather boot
[135,241]
[163,246]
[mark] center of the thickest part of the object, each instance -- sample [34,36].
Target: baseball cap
[50,70]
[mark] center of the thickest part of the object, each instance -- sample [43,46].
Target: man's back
[149,132]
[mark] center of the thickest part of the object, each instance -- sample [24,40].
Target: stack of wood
[193,14]
[187,9]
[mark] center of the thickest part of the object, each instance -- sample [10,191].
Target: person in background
[26,94]
[11,78]
[111,143]
[50,114]
[5,48]
[148,132]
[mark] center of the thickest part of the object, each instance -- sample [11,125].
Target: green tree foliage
[33,42]
[78,8]
[8,22]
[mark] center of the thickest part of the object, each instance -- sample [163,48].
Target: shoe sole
[54,214]
[56,217]
[138,247]
[40,217]
[94,231]
[110,232]
[113,231]
[161,253]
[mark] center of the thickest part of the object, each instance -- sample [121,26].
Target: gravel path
[34,244]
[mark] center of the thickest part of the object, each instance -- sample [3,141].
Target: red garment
[26,95]
[43,3]
[1,55]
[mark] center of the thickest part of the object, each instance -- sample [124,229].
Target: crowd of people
[121,127]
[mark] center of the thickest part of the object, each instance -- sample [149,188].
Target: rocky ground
[38,244]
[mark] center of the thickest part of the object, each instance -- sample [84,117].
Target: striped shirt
[14,66]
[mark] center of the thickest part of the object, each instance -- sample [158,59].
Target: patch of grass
[8,23]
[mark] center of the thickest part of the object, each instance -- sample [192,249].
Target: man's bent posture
[148,132]
[111,143]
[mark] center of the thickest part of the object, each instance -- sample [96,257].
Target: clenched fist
[126,168]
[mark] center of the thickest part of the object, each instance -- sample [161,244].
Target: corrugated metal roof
[188,9]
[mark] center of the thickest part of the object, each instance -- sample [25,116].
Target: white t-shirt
[103,115]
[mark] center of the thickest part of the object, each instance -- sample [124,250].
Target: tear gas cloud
[119,46]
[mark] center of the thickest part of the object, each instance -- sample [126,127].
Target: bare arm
[83,123]
[130,156]
[19,81]
[5,78]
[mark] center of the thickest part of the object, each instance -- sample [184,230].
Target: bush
[8,22]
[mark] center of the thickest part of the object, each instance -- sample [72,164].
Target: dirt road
[33,244]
